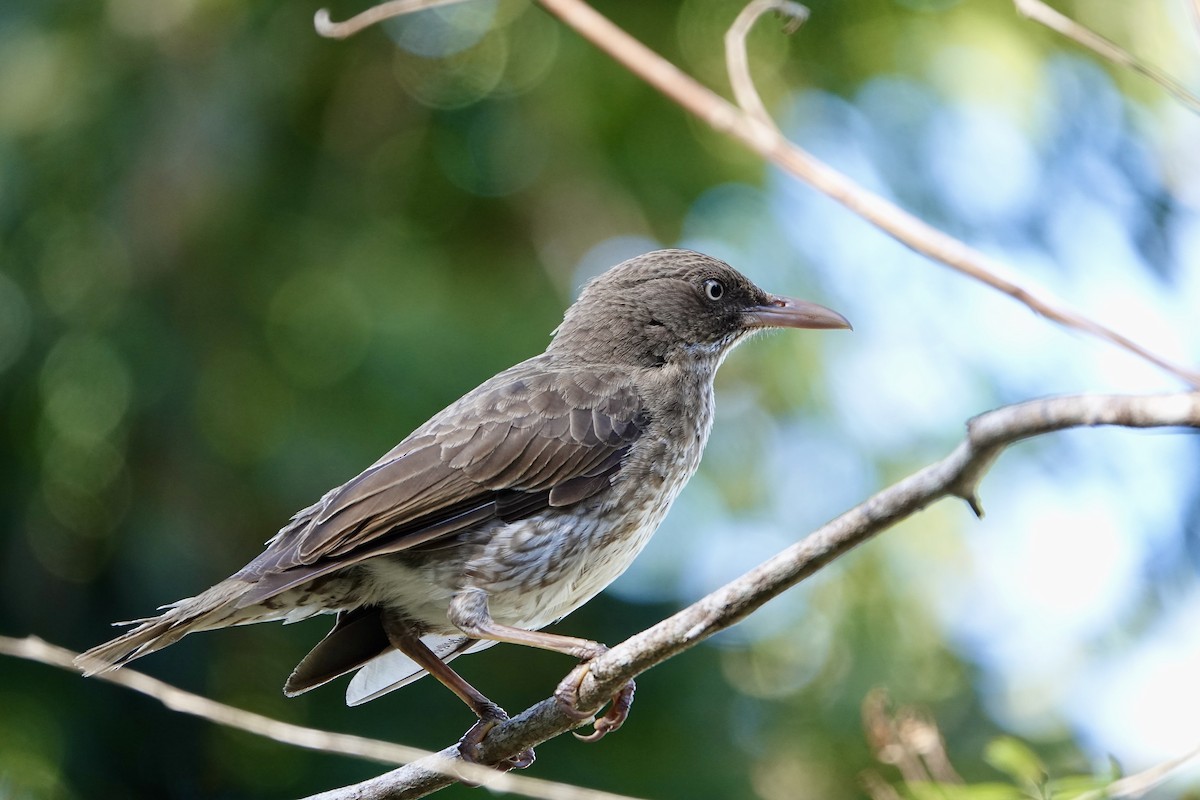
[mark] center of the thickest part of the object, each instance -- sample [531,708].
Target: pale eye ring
[714,289]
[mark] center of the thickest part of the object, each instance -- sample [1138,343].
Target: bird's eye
[714,289]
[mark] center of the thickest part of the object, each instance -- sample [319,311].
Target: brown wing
[529,439]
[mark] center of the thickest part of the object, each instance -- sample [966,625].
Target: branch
[396,8]
[32,648]
[751,125]
[956,475]
[766,140]
[1137,784]
[1041,13]
[737,62]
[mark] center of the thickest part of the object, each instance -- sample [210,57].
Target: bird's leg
[404,639]
[468,611]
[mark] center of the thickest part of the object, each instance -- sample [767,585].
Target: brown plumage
[511,507]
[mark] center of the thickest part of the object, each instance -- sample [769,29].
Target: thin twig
[1039,12]
[956,475]
[375,14]
[32,648]
[1139,783]
[737,61]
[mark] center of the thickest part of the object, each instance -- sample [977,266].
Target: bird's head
[676,305]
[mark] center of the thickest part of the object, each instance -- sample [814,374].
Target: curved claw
[469,745]
[617,713]
[521,760]
[596,735]
[567,695]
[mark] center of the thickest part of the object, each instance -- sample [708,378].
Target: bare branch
[956,475]
[1039,12]
[32,648]
[752,126]
[1137,784]
[766,140]
[375,14]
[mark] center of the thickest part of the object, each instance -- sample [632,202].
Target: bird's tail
[214,608]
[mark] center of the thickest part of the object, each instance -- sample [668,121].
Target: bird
[509,509]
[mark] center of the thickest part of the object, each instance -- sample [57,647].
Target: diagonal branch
[750,124]
[1139,783]
[1058,22]
[956,475]
[766,140]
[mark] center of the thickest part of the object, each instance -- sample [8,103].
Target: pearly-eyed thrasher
[512,507]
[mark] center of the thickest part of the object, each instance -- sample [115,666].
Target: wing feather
[531,438]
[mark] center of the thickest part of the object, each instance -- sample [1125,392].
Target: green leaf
[1075,785]
[955,791]
[1014,757]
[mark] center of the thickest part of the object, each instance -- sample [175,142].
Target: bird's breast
[538,570]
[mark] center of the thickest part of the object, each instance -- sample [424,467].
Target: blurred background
[239,262]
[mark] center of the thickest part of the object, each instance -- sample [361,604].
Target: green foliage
[1028,779]
[1015,758]
[955,791]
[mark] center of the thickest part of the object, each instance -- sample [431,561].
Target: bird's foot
[567,695]
[472,741]
[614,718]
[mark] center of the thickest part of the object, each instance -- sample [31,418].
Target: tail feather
[392,669]
[356,638]
[213,608]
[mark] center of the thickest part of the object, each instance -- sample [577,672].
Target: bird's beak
[787,312]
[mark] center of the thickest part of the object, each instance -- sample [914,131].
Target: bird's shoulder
[544,398]
[529,427]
